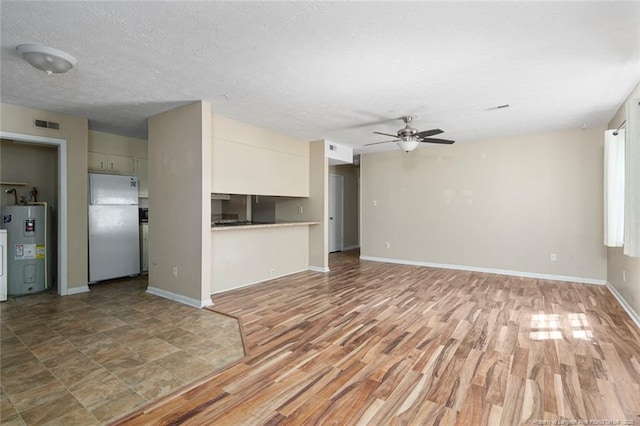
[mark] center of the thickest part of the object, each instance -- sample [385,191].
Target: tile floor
[93,357]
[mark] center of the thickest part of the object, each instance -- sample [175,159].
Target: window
[614,187]
[622,183]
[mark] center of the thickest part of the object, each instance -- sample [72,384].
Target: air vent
[47,124]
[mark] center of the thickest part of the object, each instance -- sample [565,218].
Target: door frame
[62,198]
[340,209]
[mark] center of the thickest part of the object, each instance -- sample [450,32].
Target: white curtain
[614,188]
[632,180]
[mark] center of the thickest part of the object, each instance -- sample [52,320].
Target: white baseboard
[179,298]
[78,290]
[258,282]
[489,270]
[350,248]
[318,269]
[633,314]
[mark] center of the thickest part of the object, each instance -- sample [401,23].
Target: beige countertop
[262,225]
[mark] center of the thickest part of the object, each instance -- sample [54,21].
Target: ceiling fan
[408,138]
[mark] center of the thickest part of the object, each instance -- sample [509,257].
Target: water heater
[27,249]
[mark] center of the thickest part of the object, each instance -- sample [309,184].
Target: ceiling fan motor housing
[407,132]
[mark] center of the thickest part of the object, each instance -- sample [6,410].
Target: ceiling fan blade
[435,140]
[386,134]
[427,133]
[377,143]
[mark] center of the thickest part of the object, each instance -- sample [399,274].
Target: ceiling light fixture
[47,59]
[408,145]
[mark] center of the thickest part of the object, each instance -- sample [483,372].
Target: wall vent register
[47,124]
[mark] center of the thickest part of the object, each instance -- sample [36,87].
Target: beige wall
[251,160]
[351,203]
[74,130]
[315,208]
[247,256]
[501,204]
[179,179]
[35,165]
[616,260]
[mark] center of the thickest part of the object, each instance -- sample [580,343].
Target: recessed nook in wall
[62,199]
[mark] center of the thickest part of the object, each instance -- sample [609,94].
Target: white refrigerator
[114,249]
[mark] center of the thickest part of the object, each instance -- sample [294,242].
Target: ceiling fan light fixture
[47,59]
[408,145]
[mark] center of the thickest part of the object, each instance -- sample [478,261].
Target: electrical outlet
[375,203]
[175,271]
[300,209]
[387,244]
[272,273]
[553,257]
[624,275]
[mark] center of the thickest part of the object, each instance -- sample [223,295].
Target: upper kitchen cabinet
[120,164]
[97,161]
[110,163]
[251,160]
[109,153]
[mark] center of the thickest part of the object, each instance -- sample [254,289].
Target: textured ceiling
[331,70]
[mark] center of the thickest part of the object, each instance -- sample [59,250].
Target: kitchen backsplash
[263,208]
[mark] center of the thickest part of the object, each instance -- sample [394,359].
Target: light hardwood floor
[375,343]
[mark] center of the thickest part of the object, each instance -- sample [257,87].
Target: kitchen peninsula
[268,205]
[250,253]
[255,238]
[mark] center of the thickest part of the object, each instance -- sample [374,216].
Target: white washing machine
[3,265]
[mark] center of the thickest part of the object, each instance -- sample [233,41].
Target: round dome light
[47,59]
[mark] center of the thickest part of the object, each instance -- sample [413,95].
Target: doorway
[336,212]
[61,145]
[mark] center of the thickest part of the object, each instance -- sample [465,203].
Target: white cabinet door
[121,164]
[97,161]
